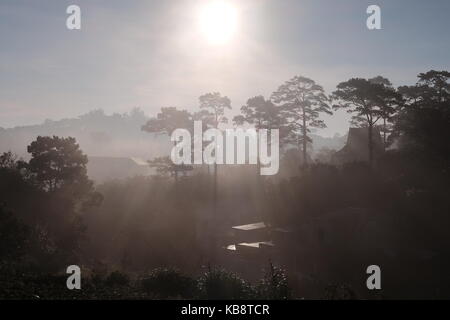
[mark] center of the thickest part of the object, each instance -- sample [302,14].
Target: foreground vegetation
[396,204]
[161,283]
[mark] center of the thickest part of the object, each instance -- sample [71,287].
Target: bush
[274,285]
[339,292]
[168,282]
[117,278]
[222,285]
[14,236]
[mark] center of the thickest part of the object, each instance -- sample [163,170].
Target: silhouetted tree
[262,114]
[49,194]
[206,117]
[168,120]
[362,98]
[389,101]
[216,104]
[437,82]
[302,101]
[58,162]
[423,124]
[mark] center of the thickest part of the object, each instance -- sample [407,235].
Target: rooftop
[258,244]
[255,245]
[251,226]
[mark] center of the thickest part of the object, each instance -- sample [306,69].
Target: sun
[218,21]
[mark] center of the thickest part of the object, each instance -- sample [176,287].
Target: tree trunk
[215,171]
[215,189]
[305,141]
[258,151]
[384,134]
[258,163]
[370,144]
[176,168]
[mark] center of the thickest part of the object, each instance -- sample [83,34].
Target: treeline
[42,202]
[52,215]
[296,107]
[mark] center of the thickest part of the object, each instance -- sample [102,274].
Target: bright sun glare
[218,21]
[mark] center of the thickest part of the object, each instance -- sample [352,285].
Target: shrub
[220,284]
[14,236]
[168,282]
[274,285]
[339,292]
[117,278]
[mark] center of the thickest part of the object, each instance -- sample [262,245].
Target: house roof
[358,138]
[254,245]
[356,148]
[251,226]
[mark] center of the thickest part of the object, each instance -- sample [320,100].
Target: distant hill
[336,142]
[113,142]
[98,134]
[116,135]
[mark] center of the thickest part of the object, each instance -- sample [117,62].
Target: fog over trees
[152,229]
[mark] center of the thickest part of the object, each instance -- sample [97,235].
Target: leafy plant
[220,284]
[339,292]
[168,282]
[117,278]
[274,285]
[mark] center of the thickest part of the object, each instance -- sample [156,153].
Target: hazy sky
[152,53]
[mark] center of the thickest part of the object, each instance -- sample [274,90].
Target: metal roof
[256,244]
[251,226]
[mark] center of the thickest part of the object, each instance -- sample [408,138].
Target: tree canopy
[302,101]
[216,104]
[58,162]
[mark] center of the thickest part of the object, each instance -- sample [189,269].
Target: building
[251,247]
[357,146]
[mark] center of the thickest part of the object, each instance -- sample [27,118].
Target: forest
[328,214]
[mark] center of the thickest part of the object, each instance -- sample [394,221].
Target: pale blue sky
[151,54]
